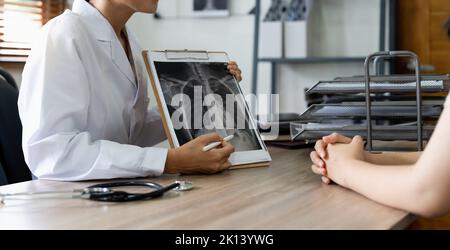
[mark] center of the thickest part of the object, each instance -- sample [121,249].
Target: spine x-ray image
[206,86]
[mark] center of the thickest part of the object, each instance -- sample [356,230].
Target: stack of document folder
[339,106]
[382,84]
[402,132]
[319,112]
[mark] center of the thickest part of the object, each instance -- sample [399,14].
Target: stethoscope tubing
[100,192]
[120,196]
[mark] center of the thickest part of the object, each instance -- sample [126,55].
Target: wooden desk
[284,196]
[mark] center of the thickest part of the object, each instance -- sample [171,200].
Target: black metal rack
[389,55]
[375,86]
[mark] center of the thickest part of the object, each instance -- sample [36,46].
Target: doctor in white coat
[84,102]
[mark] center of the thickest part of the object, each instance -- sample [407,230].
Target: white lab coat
[85,115]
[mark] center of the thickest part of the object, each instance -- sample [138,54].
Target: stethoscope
[104,192]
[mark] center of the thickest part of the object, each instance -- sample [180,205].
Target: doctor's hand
[233,68]
[190,158]
[318,156]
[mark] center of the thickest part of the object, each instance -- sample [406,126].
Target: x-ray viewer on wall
[84,102]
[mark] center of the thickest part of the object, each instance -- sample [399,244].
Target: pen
[216,144]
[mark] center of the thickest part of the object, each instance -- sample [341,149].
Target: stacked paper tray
[382,84]
[340,106]
[396,99]
[311,131]
[380,111]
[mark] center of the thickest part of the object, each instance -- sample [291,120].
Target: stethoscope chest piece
[184,186]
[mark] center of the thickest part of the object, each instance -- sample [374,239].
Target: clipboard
[239,160]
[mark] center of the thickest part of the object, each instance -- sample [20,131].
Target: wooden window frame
[14,49]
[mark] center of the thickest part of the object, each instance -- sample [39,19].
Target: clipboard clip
[186,54]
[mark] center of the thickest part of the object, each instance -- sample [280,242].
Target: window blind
[20,20]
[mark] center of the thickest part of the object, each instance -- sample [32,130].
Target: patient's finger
[336,138]
[315,158]
[318,170]
[326,180]
[320,148]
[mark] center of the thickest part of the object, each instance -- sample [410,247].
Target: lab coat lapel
[120,59]
[141,101]
[106,36]
[139,66]
[108,40]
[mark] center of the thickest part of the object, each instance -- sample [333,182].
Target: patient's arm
[394,158]
[422,188]
[320,153]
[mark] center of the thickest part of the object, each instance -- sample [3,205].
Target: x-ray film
[210,78]
[198,96]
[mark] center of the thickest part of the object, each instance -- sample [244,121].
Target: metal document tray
[428,99]
[320,112]
[381,84]
[385,133]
